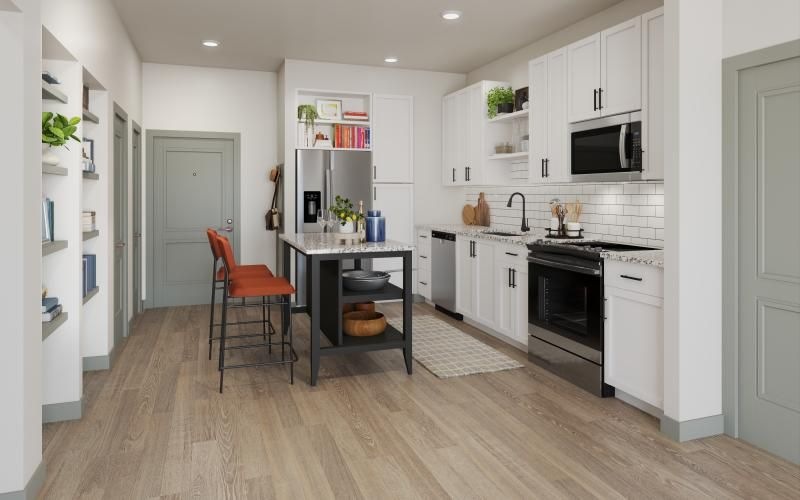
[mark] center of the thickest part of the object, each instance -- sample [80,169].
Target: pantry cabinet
[653,95]
[548,121]
[393,143]
[634,331]
[605,72]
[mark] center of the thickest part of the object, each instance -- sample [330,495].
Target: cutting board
[482,217]
[468,214]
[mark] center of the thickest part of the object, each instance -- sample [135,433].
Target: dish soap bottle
[362,223]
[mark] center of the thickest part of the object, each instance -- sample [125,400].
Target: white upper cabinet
[583,78]
[450,137]
[548,120]
[653,94]
[605,72]
[393,145]
[621,68]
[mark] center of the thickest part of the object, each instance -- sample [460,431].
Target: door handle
[595,99]
[137,235]
[226,229]
[120,244]
[623,160]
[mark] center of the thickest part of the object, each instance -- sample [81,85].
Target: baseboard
[59,412]
[693,429]
[97,363]
[33,487]
[638,403]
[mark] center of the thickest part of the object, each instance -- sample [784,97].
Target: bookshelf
[88,235]
[53,170]
[351,101]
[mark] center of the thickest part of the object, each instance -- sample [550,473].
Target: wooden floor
[155,426]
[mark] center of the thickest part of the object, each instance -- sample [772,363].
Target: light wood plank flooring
[156,427]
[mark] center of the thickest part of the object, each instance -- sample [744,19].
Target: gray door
[769,256]
[137,219]
[120,227]
[194,187]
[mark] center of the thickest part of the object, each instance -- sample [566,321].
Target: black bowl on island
[364,281]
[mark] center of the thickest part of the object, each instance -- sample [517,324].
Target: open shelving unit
[51,247]
[88,116]
[509,156]
[504,168]
[91,176]
[49,327]
[92,294]
[53,170]
[507,117]
[50,92]
[88,235]
[351,101]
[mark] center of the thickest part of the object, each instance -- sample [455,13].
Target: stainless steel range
[566,310]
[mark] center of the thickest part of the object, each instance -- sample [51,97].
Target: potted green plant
[57,130]
[500,100]
[307,113]
[343,208]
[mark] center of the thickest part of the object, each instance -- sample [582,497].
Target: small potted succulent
[57,130]
[500,100]
[343,209]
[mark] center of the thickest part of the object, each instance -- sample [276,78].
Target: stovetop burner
[591,249]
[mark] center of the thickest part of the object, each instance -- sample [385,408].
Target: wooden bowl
[363,323]
[363,306]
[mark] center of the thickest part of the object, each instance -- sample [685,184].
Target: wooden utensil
[468,214]
[482,211]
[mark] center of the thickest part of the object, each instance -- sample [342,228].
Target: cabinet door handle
[513,277]
[542,167]
[595,99]
[547,167]
[374,194]
[374,172]
[423,256]
[454,174]
[509,277]
[423,236]
[423,283]
[634,278]
[512,254]
[466,175]
[600,100]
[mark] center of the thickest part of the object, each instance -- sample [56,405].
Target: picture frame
[329,109]
[88,148]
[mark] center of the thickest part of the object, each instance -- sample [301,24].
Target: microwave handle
[623,133]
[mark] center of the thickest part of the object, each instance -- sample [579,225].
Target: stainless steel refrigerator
[321,175]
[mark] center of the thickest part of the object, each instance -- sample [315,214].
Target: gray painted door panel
[193,190]
[120,227]
[136,147]
[769,256]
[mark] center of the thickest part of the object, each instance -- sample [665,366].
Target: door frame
[730,220]
[137,211]
[152,135]
[120,113]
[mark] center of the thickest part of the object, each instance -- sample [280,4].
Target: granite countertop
[335,243]
[646,257]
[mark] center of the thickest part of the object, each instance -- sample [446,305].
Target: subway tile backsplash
[624,212]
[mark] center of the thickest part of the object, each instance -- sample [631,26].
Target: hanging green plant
[307,113]
[57,129]
[498,96]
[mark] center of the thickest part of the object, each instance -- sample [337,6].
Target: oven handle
[567,267]
[623,133]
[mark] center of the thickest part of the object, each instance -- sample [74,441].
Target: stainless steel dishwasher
[443,272]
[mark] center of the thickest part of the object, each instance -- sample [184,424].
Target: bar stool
[272,291]
[218,281]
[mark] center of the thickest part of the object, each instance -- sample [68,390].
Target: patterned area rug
[448,352]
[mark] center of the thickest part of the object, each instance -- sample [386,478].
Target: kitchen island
[325,256]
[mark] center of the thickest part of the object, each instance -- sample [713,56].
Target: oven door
[565,309]
[604,149]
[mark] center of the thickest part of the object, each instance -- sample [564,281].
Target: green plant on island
[343,208]
[57,129]
[498,95]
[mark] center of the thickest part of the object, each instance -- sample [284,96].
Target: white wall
[433,203]
[513,67]
[751,25]
[692,184]
[20,198]
[222,100]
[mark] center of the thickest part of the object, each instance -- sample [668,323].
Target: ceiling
[260,34]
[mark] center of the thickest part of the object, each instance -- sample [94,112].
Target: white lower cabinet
[465,302]
[424,263]
[634,335]
[475,271]
[511,296]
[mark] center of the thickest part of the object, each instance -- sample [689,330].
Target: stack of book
[88,220]
[350,137]
[50,308]
[48,219]
[89,273]
[356,116]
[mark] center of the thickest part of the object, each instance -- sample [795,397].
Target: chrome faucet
[524,228]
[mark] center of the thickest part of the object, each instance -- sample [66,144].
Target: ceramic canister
[376,226]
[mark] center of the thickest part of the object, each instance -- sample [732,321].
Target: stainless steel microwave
[607,149]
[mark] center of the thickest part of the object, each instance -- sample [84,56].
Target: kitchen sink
[501,233]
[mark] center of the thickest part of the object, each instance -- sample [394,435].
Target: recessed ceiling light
[451,15]
[391,60]
[211,43]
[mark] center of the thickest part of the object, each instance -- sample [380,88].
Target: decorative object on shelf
[521,99]
[89,273]
[363,324]
[361,224]
[307,113]
[273,216]
[48,219]
[350,137]
[364,281]
[500,100]
[524,143]
[49,157]
[57,129]
[468,214]
[86,98]
[573,229]
[376,226]
[559,212]
[347,217]
[482,217]
[503,148]
[355,116]
[51,314]
[88,221]
[572,226]
[50,78]
[361,306]
[329,109]
[322,141]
